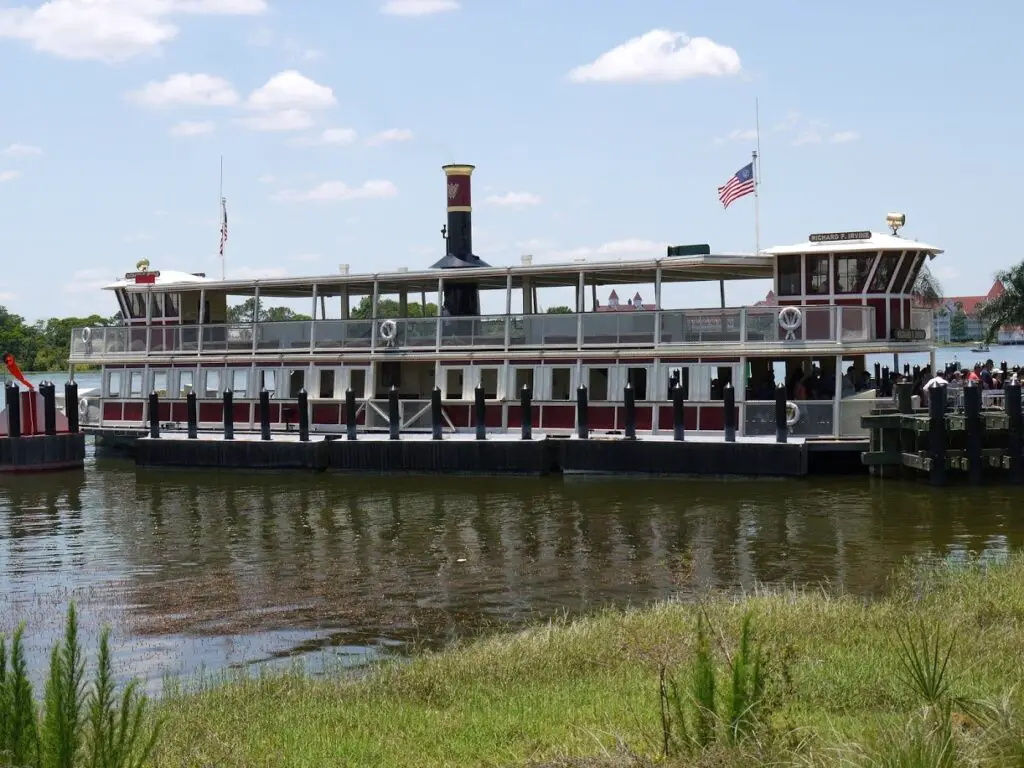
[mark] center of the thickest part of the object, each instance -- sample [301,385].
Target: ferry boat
[837,298]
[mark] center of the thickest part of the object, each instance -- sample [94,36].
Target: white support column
[373,314]
[508,309]
[657,304]
[255,315]
[202,322]
[312,325]
[581,297]
[440,313]
[837,398]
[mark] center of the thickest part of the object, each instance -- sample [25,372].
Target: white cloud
[89,281]
[267,178]
[256,273]
[6,296]
[21,150]
[660,56]
[291,90]
[515,199]
[738,135]
[285,120]
[813,131]
[842,137]
[628,248]
[190,128]
[339,190]
[329,137]
[390,136]
[194,90]
[418,7]
[9,176]
[109,30]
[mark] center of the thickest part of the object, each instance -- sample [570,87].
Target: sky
[599,129]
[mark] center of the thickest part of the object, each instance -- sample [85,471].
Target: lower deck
[827,394]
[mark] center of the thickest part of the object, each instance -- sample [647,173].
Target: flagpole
[757,179]
[222,213]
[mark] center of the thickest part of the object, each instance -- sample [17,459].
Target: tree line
[45,344]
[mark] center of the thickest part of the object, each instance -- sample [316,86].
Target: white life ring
[83,407]
[86,335]
[790,320]
[792,413]
[388,329]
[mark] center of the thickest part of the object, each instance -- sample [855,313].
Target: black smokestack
[461,298]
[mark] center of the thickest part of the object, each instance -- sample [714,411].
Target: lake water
[205,571]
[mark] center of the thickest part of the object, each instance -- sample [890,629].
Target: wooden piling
[582,420]
[629,401]
[937,434]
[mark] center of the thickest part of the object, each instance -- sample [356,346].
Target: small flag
[224,224]
[742,183]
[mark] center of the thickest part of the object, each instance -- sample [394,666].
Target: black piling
[1015,432]
[351,426]
[480,408]
[49,392]
[629,398]
[229,415]
[192,407]
[154,415]
[678,426]
[975,432]
[906,370]
[394,414]
[12,399]
[303,402]
[582,417]
[878,379]
[729,399]
[71,406]
[264,414]
[781,427]
[526,412]
[937,434]
[436,417]
[905,397]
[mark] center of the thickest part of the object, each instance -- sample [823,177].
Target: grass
[928,676]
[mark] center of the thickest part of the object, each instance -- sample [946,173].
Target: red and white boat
[838,299]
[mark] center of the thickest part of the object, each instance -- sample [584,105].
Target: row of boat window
[555,383]
[849,273]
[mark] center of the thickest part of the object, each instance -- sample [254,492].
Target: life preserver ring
[86,335]
[388,329]
[792,413]
[83,407]
[790,320]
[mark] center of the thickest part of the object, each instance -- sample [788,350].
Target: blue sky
[334,117]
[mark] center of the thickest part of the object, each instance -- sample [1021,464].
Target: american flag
[742,183]
[223,224]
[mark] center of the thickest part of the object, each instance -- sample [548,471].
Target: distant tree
[390,308]
[243,313]
[560,310]
[927,287]
[46,344]
[958,324]
[1008,307]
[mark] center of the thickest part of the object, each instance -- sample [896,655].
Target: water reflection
[204,569]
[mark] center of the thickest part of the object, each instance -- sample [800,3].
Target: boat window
[172,302]
[327,384]
[212,388]
[268,381]
[903,272]
[720,376]
[240,382]
[135,384]
[637,378]
[597,384]
[160,383]
[136,305]
[883,273]
[357,382]
[561,383]
[679,377]
[296,382]
[156,302]
[453,383]
[912,277]
[186,382]
[114,384]
[851,271]
[524,378]
[817,274]
[789,275]
[489,382]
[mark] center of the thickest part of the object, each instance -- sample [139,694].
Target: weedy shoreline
[928,675]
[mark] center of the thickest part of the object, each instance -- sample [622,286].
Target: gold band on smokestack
[460,196]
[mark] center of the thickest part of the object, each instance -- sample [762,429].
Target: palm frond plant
[1008,307]
[927,288]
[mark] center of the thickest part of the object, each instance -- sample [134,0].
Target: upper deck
[850,291]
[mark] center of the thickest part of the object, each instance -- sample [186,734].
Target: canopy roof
[878,241]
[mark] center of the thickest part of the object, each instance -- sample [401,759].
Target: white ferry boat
[837,299]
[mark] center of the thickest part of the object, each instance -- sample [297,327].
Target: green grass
[847,682]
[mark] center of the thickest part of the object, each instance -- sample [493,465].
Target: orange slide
[15,371]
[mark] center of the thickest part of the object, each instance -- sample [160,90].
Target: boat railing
[815,324]
[923,320]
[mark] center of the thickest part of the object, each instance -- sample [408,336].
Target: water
[204,571]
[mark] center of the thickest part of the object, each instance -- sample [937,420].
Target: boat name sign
[838,237]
